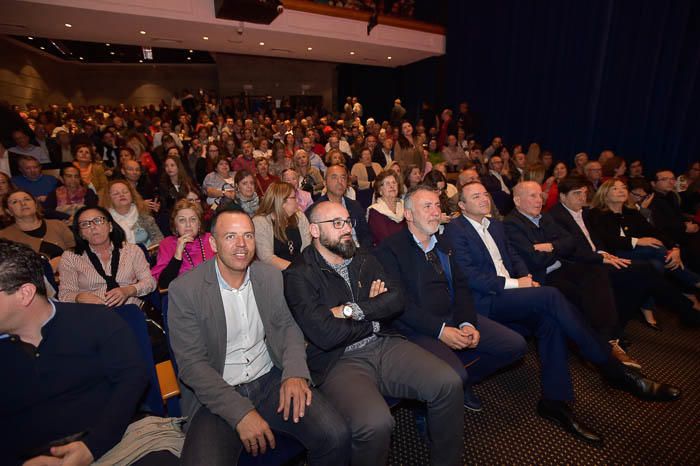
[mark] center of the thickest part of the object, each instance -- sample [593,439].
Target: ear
[212,243]
[408,214]
[26,294]
[314,230]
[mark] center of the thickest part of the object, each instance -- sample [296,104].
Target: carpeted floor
[508,431]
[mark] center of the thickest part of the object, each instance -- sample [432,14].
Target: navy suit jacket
[428,303]
[474,260]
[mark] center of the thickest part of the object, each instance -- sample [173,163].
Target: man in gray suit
[237,348]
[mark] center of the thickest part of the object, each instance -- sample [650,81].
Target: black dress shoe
[654,326]
[559,412]
[635,383]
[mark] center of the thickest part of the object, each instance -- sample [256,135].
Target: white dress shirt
[482,229]
[578,218]
[247,357]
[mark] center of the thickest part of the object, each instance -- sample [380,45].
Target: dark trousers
[498,347]
[587,286]
[392,366]
[212,441]
[547,314]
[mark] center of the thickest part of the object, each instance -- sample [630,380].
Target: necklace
[201,249]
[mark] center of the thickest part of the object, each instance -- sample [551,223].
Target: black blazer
[607,225]
[668,217]
[523,234]
[428,304]
[583,251]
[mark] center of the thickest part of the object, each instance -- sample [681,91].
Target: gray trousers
[397,368]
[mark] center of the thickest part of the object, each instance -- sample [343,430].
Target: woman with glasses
[104,268]
[47,237]
[281,229]
[186,248]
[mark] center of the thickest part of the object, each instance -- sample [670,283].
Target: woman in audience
[385,216]
[219,183]
[173,182]
[366,171]
[230,150]
[263,178]
[290,144]
[137,145]
[280,162]
[507,170]
[129,211]
[311,178]
[550,188]
[207,164]
[580,161]
[47,237]
[70,197]
[334,157]
[246,197]
[615,167]
[406,151]
[304,199]
[104,268]
[187,248]
[281,229]
[91,172]
[6,187]
[413,176]
[448,205]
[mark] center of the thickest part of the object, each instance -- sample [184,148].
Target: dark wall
[581,75]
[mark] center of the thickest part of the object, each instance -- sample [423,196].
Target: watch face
[347,311]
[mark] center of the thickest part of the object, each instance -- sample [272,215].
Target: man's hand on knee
[255,433]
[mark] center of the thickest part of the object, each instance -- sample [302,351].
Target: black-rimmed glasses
[339,223]
[85,224]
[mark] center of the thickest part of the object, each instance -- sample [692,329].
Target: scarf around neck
[383,208]
[127,222]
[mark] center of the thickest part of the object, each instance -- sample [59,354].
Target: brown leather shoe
[620,354]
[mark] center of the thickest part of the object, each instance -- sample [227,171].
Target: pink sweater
[166,251]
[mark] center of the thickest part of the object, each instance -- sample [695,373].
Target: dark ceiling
[93,52]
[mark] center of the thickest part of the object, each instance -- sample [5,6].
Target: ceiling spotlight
[107,45]
[352,53]
[68,25]
[30,38]
[189,58]
[140,61]
[205,38]
[262,43]
[388,58]
[80,58]
[142,32]
[191,51]
[111,53]
[42,47]
[309,48]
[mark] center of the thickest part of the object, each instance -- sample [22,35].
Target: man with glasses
[341,298]
[668,216]
[439,314]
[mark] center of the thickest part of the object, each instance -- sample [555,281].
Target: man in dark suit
[439,313]
[504,291]
[633,282]
[336,178]
[242,360]
[376,149]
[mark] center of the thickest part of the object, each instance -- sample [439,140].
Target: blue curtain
[581,75]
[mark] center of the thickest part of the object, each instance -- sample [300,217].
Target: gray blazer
[198,338]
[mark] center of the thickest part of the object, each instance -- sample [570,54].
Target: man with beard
[340,297]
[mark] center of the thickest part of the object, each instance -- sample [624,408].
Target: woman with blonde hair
[91,172]
[281,229]
[131,213]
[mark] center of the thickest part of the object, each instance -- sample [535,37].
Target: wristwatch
[347,312]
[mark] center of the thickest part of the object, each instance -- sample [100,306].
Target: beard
[343,248]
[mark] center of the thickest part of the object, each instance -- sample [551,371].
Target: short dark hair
[639,183]
[20,265]
[659,170]
[116,236]
[229,208]
[572,183]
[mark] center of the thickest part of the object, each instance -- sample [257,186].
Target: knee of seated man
[446,378]
[372,423]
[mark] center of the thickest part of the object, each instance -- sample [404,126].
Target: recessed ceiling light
[68,25]
[388,58]
[262,43]
[111,53]
[142,32]
[30,38]
[189,58]
[352,53]
[42,47]
[191,51]
[140,61]
[107,45]
[309,48]
[80,58]
[205,38]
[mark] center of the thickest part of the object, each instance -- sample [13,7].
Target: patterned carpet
[508,431]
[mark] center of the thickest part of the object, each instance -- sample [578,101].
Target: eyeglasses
[85,224]
[339,223]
